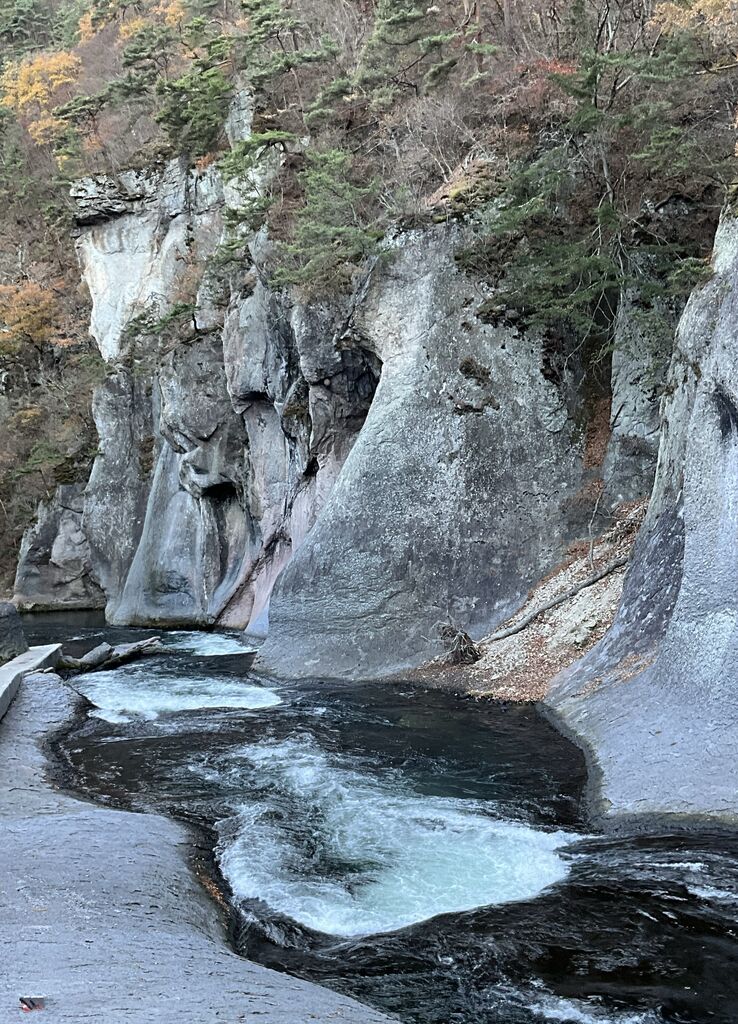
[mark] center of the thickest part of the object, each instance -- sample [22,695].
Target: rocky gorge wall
[214,451]
[655,703]
[340,475]
[467,449]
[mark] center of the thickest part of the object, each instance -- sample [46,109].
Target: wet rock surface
[100,914]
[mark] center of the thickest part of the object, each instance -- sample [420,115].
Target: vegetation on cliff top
[580,117]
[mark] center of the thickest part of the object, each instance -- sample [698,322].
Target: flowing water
[422,852]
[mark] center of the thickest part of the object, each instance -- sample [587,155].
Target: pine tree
[193,109]
[333,233]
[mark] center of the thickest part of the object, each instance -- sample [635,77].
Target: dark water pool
[419,851]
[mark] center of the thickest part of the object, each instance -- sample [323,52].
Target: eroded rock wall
[223,420]
[656,702]
[341,475]
[205,425]
[55,568]
[465,485]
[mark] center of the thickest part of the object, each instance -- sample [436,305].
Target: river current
[420,851]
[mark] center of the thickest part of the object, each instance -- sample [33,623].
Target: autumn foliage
[33,86]
[29,315]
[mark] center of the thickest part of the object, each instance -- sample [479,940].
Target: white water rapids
[346,853]
[148,688]
[317,839]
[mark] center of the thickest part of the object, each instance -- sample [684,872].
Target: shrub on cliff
[334,228]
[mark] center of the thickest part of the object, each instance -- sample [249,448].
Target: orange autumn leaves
[29,315]
[35,85]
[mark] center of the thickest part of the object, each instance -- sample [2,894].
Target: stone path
[100,914]
[12,672]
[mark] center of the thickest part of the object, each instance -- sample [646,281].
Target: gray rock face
[467,450]
[12,638]
[193,532]
[216,451]
[656,702]
[55,563]
[116,493]
[641,352]
[391,459]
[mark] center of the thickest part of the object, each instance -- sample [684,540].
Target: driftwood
[104,656]
[566,596]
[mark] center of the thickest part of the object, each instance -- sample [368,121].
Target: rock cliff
[655,702]
[55,563]
[340,475]
[466,450]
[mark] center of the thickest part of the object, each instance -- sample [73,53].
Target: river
[421,851]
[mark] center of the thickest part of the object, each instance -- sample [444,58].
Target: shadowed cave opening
[727,412]
[222,492]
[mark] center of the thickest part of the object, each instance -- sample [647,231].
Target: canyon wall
[656,701]
[340,475]
[467,449]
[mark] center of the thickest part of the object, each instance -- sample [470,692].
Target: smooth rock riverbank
[100,914]
[32,660]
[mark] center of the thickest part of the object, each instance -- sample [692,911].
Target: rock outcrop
[219,435]
[55,568]
[224,418]
[640,358]
[467,449]
[12,638]
[386,461]
[656,701]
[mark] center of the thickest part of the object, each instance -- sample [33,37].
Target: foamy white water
[580,1011]
[199,642]
[713,894]
[140,691]
[348,854]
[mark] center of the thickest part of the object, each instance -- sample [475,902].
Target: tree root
[460,648]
